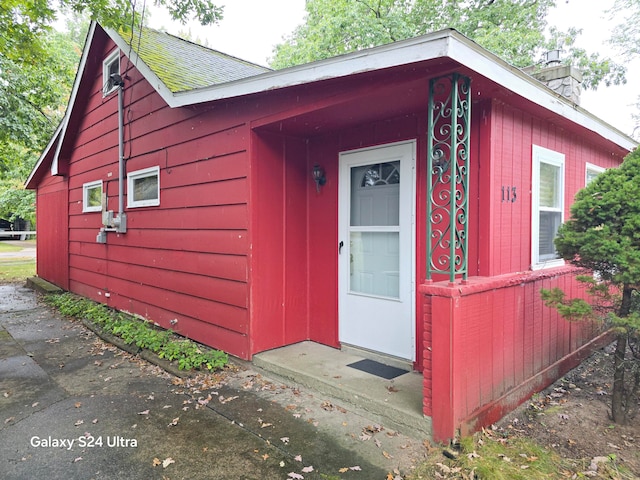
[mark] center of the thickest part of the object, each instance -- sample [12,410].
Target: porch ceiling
[366,98]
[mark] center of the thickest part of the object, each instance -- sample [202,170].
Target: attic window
[110,67]
[143,188]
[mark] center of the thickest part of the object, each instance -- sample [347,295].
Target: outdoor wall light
[319,176]
[440,160]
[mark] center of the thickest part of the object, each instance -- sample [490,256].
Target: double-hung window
[143,188]
[92,196]
[547,205]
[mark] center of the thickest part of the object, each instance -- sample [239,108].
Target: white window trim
[543,155]
[114,56]
[138,174]
[85,196]
[593,168]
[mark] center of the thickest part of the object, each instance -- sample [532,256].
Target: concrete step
[396,404]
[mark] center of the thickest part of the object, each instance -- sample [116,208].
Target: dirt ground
[572,417]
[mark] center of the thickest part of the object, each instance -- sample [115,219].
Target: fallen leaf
[77,459]
[392,389]
[79,422]
[298,458]
[265,456]
[285,440]
[356,468]
[295,476]
[167,461]
[296,415]
[281,464]
[34,404]
[156,462]
[364,436]
[328,406]
[174,422]
[308,469]
[343,469]
[265,425]
[77,404]
[387,455]
[377,442]
[6,394]
[106,379]
[472,455]
[145,412]
[94,421]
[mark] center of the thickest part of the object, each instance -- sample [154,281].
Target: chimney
[565,80]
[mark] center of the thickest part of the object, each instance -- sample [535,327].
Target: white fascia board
[511,78]
[391,55]
[155,82]
[44,154]
[74,94]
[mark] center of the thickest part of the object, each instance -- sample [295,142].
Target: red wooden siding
[187,259]
[512,133]
[493,344]
[52,226]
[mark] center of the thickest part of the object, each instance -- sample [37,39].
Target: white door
[376,249]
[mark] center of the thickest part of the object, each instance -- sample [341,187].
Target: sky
[251,28]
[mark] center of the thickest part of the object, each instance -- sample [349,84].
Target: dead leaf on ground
[308,469]
[79,422]
[156,462]
[77,404]
[295,476]
[298,458]
[174,422]
[167,461]
[326,405]
[144,412]
[392,389]
[387,455]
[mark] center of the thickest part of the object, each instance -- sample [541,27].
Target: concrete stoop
[395,404]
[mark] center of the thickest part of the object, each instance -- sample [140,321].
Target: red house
[401,200]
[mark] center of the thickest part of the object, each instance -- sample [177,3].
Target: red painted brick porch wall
[491,343]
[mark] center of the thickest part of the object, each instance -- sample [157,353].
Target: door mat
[378,369]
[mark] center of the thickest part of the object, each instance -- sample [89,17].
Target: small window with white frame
[111,66]
[547,206]
[92,196]
[143,188]
[591,172]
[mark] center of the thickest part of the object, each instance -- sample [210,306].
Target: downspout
[119,223]
[121,220]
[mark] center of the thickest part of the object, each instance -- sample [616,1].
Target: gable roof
[182,65]
[184,74]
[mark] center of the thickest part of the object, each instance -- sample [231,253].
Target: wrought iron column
[448,175]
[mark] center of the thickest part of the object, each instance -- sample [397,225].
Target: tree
[37,69]
[512,29]
[603,237]
[626,36]
[22,22]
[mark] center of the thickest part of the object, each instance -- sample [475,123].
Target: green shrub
[142,333]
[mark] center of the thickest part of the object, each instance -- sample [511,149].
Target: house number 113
[509,194]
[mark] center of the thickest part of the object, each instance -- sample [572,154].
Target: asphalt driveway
[75,407]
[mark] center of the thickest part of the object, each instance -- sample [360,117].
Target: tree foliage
[37,69]
[603,236]
[512,29]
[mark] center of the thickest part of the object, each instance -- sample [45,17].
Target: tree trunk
[618,399]
[618,410]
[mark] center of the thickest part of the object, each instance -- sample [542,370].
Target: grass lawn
[16,269]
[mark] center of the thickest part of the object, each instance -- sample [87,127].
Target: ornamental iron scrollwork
[448,175]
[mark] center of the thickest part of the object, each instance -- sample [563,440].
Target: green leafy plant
[603,237]
[165,343]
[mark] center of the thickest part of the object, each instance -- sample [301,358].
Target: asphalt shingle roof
[182,65]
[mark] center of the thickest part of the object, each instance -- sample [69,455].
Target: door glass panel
[374,230]
[375,263]
[375,195]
